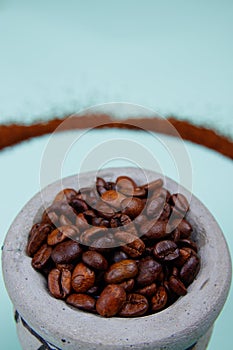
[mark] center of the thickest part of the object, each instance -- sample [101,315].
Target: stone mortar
[47,323]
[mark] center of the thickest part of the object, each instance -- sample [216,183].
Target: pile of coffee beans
[116,249]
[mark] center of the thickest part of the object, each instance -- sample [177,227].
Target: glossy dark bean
[120,220]
[177,286]
[81,222]
[113,198]
[185,242]
[189,270]
[97,221]
[82,302]
[166,250]
[121,271]
[152,186]
[149,269]
[50,218]
[66,252]
[41,257]
[159,300]
[83,278]
[153,229]
[135,305]
[59,283]
[37,236]
[61,233]
[95,260]
[133,247]
[180,202]
[125,185]
[104,210]
[111,300]
[79,205]
[166,212]
[147,291]
[132,207]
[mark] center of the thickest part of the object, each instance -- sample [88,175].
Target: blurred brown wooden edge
[14,133]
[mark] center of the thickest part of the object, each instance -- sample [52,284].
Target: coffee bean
[41,257]
[149,269]
[166,212]
[103,244]
[166,250]
[104,210]
[159,300]
[153,229]
[147,291]
[66,252]
[37,236]
[113,198]
[121,271]
[79,205]
[81,222]
[59,283]
[91,234]
[120,220]
[61,233]
[177,286]
[189,270]
[65,195]
[95,260]
[135,305]
[97,221]
[179,201]
[125,185]
[50,218]
[100,182]
[83,278]
[111,300]
[134,247]
[187,243]
[152,186]
[82,302]
[132,207]
[110,186]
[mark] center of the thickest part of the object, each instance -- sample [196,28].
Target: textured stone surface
[177,327]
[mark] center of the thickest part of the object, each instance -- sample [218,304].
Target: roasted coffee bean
[110,186]
[83,278]
[159,300]
[59,283]
[121,271]
[66,252]
[81,222]
[135,305]
[101,190]
[149,269]
[113,198]
[41,257]
[139,192]
[61,233]
[120,220]
[127,285]
[119,255]
[69,267]
[125,185]
[89,215]
[82,302]
[185,242]
[65,195]
[104,210]
[152,186]
[63,208]
[184,255]
[95,260]
[100,182]
[166,250]
[134,247]
[179,201]
[189,270]
[79,205]
[177,286]
[155,207]
[147,291]
[37,236]
[111,300]
[166,212]
[132,207]
[185,229]
[153,229]
[91,234]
